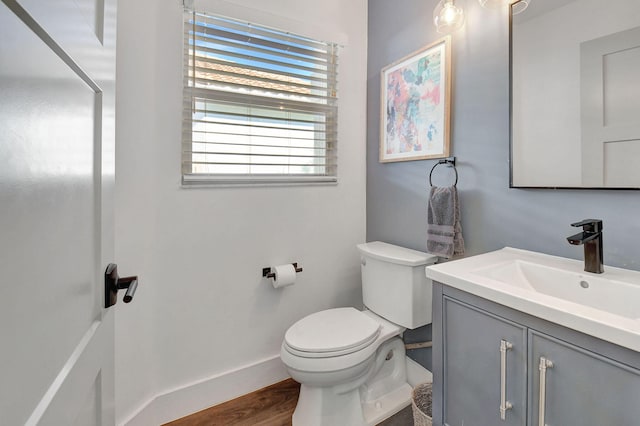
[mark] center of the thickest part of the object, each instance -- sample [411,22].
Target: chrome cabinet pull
[544,364]
[504,404]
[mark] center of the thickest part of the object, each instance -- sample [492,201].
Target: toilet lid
[333,330]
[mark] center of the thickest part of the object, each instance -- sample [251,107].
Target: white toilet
[352,364]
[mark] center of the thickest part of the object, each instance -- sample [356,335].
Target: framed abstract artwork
[415,105]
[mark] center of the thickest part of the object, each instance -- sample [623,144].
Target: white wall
[202,308]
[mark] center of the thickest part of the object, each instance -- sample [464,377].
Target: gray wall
[493,215]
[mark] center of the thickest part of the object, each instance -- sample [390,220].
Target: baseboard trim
[417,374]
[191,398]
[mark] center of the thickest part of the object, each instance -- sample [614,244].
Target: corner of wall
[176,403]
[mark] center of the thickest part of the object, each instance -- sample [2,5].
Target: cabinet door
[580,388]
[474,372]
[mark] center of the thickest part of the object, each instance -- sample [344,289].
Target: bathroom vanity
[522,338]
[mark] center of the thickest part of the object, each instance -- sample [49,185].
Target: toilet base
[384,393]
[347,409]
[376,411]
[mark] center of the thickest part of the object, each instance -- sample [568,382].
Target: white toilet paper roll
[285,275]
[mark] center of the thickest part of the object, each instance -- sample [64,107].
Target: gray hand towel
[444,232]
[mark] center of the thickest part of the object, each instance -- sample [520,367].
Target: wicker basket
[421,405]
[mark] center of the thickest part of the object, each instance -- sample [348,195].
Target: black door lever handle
[131,290]
[113,283]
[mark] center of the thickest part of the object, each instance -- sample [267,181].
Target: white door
[57,81]
[610,106]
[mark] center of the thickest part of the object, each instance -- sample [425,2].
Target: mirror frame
[511,185]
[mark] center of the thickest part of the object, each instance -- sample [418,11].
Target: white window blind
[260,105]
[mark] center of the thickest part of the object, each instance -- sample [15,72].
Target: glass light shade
[448,17]
[518,5]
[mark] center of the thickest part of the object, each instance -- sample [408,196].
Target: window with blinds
[260,105]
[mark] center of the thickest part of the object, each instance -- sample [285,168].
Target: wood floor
[270,406]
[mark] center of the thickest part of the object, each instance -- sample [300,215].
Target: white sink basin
[557,289]
[613,296]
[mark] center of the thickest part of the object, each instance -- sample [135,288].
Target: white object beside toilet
[351,364]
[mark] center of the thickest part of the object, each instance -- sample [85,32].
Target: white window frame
[257,121]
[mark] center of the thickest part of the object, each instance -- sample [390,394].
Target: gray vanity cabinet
[473,367]
[488,356]
[580,387]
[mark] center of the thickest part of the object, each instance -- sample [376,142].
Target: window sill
[222,181]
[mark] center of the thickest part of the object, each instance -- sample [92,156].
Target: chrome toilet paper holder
[266,272]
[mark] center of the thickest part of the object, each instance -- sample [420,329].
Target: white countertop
[615,285]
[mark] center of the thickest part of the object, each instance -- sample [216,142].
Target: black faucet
[591,238]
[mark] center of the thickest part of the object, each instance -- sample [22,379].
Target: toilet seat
[330,362]
[331,333]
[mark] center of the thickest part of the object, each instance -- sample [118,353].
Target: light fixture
[518,5]
[448,17]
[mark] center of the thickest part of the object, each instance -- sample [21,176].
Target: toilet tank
[394,284]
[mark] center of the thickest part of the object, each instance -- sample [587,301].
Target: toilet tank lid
[396,254]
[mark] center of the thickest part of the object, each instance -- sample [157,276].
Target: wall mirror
[575,94]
